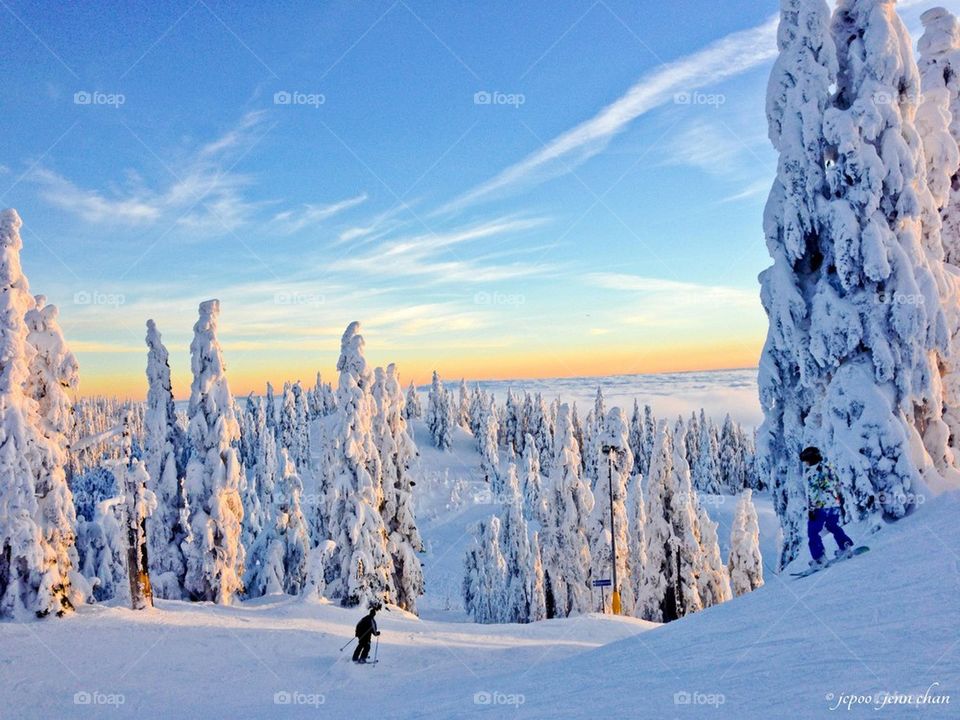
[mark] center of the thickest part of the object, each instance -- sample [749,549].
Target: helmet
[811,455]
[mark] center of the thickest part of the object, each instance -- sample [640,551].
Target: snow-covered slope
[880,628]
[884,622]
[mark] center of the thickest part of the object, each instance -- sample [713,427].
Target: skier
[366,628]
[824,501]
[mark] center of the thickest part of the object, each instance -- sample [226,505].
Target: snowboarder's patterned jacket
[823,486]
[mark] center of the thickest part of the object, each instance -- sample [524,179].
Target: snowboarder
[366,628]
[824,501]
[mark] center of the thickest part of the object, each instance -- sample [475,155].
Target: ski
[810,571]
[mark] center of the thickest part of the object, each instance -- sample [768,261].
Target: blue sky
[495,189]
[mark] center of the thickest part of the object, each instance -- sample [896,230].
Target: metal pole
[615,599]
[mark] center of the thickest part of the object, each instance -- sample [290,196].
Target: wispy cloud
[201,192]
[90,205]
[725,58]
[291,221]
[711,147]
[668,301]
[752,190]
[421,255]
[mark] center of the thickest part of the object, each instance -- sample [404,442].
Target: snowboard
[810,571]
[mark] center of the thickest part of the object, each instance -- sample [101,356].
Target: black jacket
[366,627]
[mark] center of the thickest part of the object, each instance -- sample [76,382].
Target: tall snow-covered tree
[539,427]
[439,419]
[705,469]
[412,409]
[636,438]
[568,504]
[214,550]
[876,319]
[487,445]
[521,581]
[644,593]
[164,453]
[939,63]
[532,480]
[745,563]
[485,580]
[713,578]
[261,496]
[398,452]
[938,122]
[34,576]
[615,469]
[656,591]
[53,371]
[363,566]
[283,546]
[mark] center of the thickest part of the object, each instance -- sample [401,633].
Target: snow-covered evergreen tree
[682,515]
[636,438]
[731,457]
[706,471]
[938,122]
[261,496]
[439,420]
[568,504]
[413,410]
[655,595]
[462,415]
[538,606]
[614,468]
[877,321]
[532,480]
[398,452]
[282,548]
[713,578]
[939,63]
[34,576]
[53,371]
[363,567]
[540,428]
[644,594]
[213,549]
[745,563]
[164,455]
[488,446]
[521,581]
[485,580]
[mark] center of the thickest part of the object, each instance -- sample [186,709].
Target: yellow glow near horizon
[250,375]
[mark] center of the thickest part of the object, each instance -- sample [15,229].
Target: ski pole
[376,650]
[345,646]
